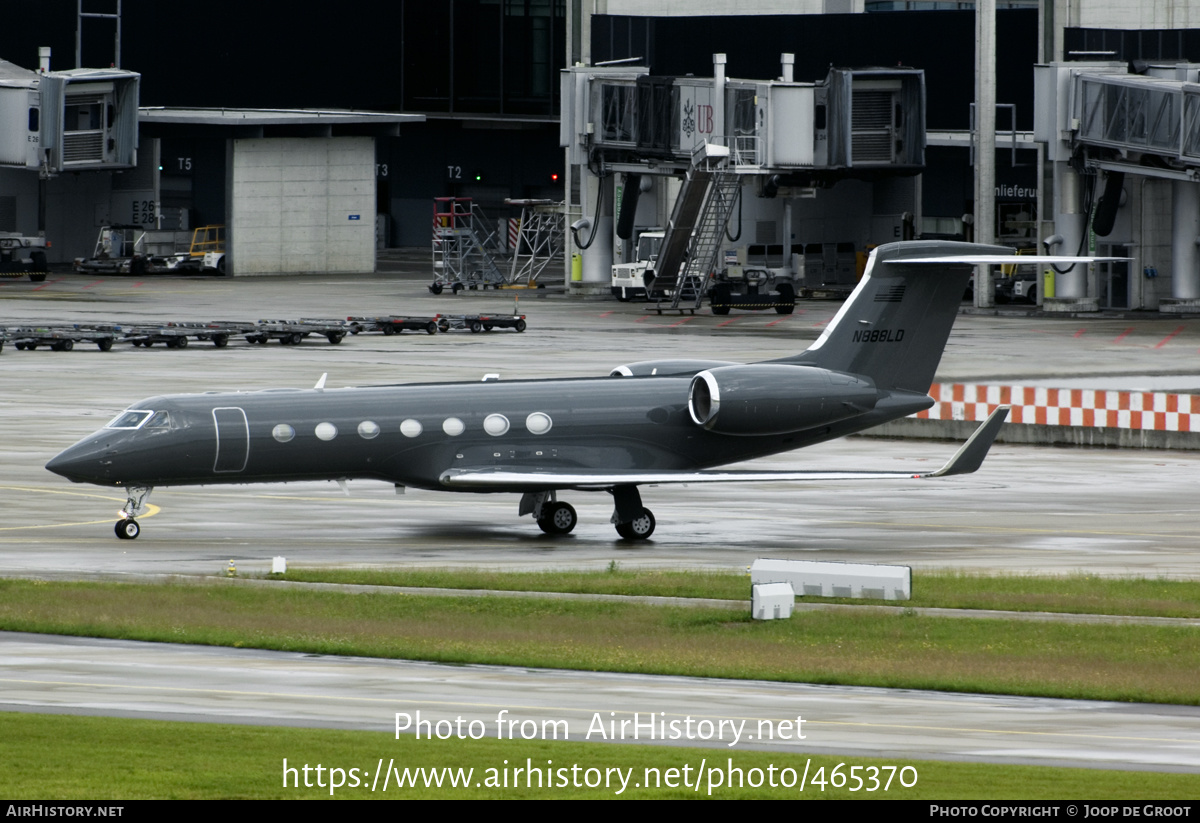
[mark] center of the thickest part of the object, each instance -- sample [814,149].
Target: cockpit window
[160,420]
[131,419]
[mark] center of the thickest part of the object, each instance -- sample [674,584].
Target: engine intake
[776,399]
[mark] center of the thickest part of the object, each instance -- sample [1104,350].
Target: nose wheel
[128,529]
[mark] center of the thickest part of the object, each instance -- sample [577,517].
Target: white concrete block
[772,601]
[821,579]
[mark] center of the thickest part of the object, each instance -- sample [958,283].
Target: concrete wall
[1144,14]
[301,205]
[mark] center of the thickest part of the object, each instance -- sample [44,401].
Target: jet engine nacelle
[661,368]
[771,398]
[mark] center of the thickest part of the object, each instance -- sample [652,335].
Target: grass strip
[1104,662]
[97,758]
[1074,594]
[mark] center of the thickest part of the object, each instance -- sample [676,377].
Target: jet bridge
[67,121]
[855,120]
[1100,124]
[719,140]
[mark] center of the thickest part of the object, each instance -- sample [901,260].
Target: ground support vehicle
[63,338]
[1021,287]
[393,324]
[629,279]
[481,322]
[127,250]
[13,260]
[751,289]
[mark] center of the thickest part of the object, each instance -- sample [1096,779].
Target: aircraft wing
[966,460]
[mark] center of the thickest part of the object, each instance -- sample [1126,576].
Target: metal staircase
[693,238]
[462,238]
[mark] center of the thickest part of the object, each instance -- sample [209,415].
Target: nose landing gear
[127,527]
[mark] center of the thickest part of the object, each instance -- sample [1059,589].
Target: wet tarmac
[1028,509]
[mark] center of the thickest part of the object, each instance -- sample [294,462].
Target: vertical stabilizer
[894,326]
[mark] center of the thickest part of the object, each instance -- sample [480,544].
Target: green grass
[97,758]
[649,582]
[1077,594]
[1106,662]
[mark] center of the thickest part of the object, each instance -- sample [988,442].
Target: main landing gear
[127,527]
[632,520]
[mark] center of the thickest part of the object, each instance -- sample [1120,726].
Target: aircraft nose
[85,462]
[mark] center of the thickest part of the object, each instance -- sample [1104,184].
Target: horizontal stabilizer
[970,457]
[966,460]
[1003,260]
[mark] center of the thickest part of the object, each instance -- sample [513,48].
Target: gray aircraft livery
[653,422]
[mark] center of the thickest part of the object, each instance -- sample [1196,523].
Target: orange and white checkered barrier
[1090,408]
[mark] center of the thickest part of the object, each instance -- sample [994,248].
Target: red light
[554,178]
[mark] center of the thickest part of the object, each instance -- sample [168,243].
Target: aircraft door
[233,440]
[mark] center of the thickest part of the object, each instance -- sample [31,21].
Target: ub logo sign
[696,121]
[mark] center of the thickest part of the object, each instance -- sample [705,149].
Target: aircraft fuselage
[411,435]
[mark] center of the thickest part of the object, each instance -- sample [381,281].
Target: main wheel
[127,529]
[718,299]
[639,528]
[558,518]
[787,299]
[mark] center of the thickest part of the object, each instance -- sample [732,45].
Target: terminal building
[486,76]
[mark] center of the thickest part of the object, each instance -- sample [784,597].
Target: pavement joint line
[650,600]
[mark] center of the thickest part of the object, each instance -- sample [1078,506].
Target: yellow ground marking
[151,509]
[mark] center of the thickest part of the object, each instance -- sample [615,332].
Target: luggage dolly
[394,324]
[63,338]
[481,322]
[291,332]
[176,335]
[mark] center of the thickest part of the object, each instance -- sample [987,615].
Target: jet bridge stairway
[693,237]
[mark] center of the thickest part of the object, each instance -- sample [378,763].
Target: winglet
[970,457]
